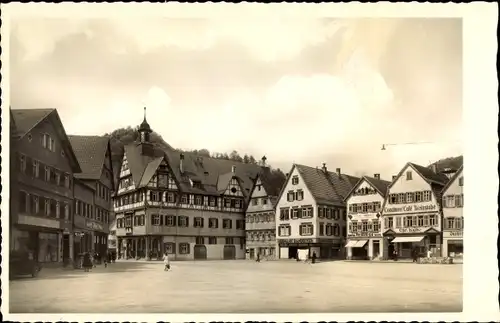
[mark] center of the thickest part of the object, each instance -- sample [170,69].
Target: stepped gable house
[93,191]
[41,200]
[189,206]
[311,212]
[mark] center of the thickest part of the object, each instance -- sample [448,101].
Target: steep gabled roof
[379,184]
[90,152]
[26,120]
[325,187]
[150,170]
[272,183]
[452,179]
[138,162]
[429,175]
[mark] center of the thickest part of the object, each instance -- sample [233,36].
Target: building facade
[453,217]
[180,203]
[364,207]
[311,213]
[411,215]
[41,205]
[93,190]
[261,217]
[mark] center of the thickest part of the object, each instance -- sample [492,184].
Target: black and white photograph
[246,160]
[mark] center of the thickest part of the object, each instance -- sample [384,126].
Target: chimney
[394,177]
[377,176]
[324,168]
[181,163]
[338,171]
[233,169]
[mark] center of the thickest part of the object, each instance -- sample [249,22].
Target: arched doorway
[200,252]
[229,252]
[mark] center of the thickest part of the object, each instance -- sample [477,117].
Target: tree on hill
[449,162]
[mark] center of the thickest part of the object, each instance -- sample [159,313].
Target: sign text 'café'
[410,208]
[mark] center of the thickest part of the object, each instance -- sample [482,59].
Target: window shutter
[386,222]
[161,219]
[152,217]
[202,222]
[187,221]
[174,220]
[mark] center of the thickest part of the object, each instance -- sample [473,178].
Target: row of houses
[60,188]
[64,201]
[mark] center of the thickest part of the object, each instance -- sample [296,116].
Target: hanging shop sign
[295,241]
[364,235]
[94,226]
[453,234]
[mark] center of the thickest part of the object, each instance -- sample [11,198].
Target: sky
[309,91]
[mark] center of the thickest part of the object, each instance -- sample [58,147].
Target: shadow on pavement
[65,273]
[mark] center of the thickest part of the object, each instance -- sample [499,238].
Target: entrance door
[376,249]
[229,252]
[292,252]
[200,252]
[252,253]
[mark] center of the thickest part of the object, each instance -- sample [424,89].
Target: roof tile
[90,152]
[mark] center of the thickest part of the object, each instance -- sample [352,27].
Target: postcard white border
[480,143]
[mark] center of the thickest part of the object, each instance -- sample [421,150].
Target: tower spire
[144,113]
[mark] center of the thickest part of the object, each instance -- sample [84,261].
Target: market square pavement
[242,286]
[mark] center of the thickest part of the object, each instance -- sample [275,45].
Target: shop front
[306,247]
[405,241]
[89,236]
[363,246]
[453,244]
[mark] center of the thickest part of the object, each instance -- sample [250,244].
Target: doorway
[65,245]
[229,252]
[375,249]
[200,252]
[293,252]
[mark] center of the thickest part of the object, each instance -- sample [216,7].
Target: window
[255,201]
[170,198]
[200,240]
[364,225]
[66,211]
[184,199]
[227,223]
[295,180]
[459,223]
[66,181]
[365,207]
[295,213]
[450,223]
[426,196]
[306,229]
[22,163]
[212,201]
[184,248]
[376,225]
[264,201]
[459,201]
[213,223]
[353,226]
[227,203]
[408,176]
[307,212]
[321,229]
[237,204]
[321,214]
[420,221]
[290,196]
[212,240]
[449,201]
[47,206]
[198,222]
[409,197]
[284,230]
[328,213]
[401,198]
[329,231]
[389,222]
[240,225]
[461,181]
[183,221]
[284,214]
[393,199]
[170,247]
[300,195]
[36,168]
[336,230]
[418,197]
[23,201]
[432,220]
[170,220]
[198,200]
[229,240]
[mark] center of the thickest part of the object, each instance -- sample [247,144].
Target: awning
[408,239]
[351,243]
[356,243]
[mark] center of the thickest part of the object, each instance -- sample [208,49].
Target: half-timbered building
[189,206]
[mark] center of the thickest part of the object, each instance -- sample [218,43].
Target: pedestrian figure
[258,258]
[414,254]
[313,258]
[166,262]
[429,253]
[87,262]
[395,255]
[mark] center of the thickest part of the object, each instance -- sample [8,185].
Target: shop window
[170,247]
[184,248]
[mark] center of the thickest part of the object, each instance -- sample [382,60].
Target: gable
[125,170]
[258,190]
[453,187]
[234,188]
[364,191]
[402,185]
[295,182]
[47,142]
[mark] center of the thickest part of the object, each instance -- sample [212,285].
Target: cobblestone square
[242,287]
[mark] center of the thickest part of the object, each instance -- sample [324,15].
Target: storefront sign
[411,230]
[455,234]
[410,208]
[364,235]
[94,226]
[290,241]
[39,222]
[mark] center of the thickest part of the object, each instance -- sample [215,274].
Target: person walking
[313,258]
[87,262]
[414,255]
[395,255]
[166,262]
